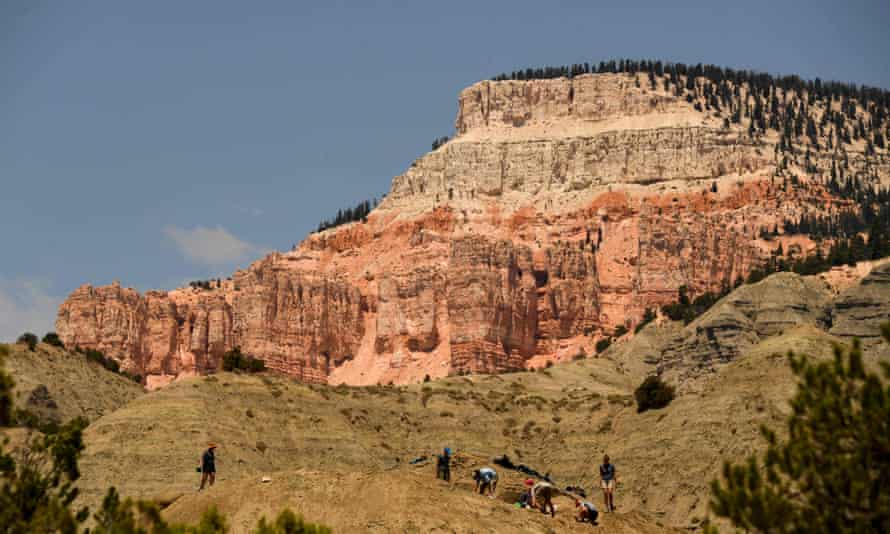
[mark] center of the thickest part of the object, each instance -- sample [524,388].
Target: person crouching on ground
[542,497]
[443,465]
[586,511]
[208,466]
[486,479]
[608,478]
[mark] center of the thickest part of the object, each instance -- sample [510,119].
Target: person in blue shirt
[608,479]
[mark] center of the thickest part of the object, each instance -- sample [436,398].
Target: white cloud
[210,246]
[25,306]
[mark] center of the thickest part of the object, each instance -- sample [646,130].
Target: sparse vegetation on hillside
[648,317]
[358,213]
[51,338]
[107,362]
[832,472]
[439,141]
[206,285]
[38,489]
[780,103]
[6,395]
[687,310]
[235,360]
[837,121]
[603,344]
[28,339]
[653,394]
[54,385]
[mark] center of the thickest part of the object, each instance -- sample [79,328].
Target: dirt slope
[405,499]
[342,454]
[60,385]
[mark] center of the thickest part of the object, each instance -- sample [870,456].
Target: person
[208,466]
[443,465]
[608,478]
[542,496]
[486,478]
[586,511]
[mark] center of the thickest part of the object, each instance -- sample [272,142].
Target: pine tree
[832,473]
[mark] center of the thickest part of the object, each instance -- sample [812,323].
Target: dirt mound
[59,385]
[406,499]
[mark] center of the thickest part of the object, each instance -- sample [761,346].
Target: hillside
[342,454]
[568,203]
[58,385]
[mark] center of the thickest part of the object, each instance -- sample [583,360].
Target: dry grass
[314,441]
[76,386]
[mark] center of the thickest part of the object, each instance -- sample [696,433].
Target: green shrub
[648,317]
[653,394]
[686,310]
[603,344]
[103,360]
[235,360]
[30,419]
[51,338]
[28,339]
[255,365]
[289,523]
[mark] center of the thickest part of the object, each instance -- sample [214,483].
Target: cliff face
[562,209]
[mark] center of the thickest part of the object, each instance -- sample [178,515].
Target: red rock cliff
[562,209]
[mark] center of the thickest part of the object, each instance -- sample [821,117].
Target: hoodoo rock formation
[561,210]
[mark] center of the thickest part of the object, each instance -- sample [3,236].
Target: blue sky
[160,142]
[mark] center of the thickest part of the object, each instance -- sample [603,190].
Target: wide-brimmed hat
[529,482]
[212,445]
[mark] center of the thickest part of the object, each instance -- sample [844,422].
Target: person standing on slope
[208,466]
[443,465]
[608,478]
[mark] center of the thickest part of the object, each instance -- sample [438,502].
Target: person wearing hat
[208,466]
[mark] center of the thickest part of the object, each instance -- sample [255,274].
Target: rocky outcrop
[860,310]
[269,311]
[741,320]
[562,210]
[474,170]
[583,98]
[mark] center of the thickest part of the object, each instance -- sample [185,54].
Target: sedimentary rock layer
[561,211]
